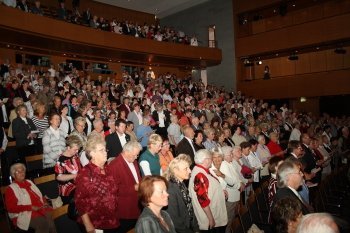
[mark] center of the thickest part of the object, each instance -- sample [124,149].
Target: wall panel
[318,61]
[303,64]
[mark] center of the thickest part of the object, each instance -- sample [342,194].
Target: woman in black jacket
[24,131]
[180,206]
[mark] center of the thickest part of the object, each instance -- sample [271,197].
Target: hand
[218,173]
[241,189]
[1,151]
[35,208]
[211,223]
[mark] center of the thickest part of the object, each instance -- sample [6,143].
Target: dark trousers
[126,225]
[215,230]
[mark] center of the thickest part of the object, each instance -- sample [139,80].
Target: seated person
[25,204]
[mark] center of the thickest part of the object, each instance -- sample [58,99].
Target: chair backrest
[34,162]
[48,185]
[262,205]
[62,222]
[245,218]
[236,226]
[253,209]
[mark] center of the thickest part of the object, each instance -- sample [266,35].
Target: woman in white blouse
[66,121]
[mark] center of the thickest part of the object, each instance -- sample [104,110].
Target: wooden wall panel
[259,70]
[334,61]
[308,14]
[287,66]
[258,26]
[308,85]
[275,67]
[306,34]
[347,58]
[332,8]
[311,105]
[318,61]
[303,64]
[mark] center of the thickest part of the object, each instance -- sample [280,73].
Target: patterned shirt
[272,188]
[67,165]
[201,187]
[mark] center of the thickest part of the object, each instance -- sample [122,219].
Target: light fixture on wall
[303,99]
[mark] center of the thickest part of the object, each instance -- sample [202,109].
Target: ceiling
[160,8]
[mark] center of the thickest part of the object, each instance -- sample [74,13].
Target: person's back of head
[317,223]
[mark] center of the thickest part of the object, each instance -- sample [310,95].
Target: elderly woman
[209,143]
[66,121]
[165,155]
[237,137]
[153,196]
[54,142]
[208,199]
[264,156]
[96,191]
[40,120]
[16,102]
[79,124]
[98,127]
[149,160]
[26,205]
[274,147]
[180,207]
[24,132]
[67,168]
[83,110]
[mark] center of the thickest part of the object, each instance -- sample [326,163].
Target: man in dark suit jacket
[185,146]
[126,173]
[125,106]
[116,140]
[308,160]
[163,123]
[290,178]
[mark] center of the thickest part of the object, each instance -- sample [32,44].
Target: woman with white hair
[208,198]
[25,204]
[180,206]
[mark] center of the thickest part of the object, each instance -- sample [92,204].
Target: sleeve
[59,168]
[18,133]
[81,195]
[174,211]
[145,168]
[46,144]
[4,141]
[11,203]
[230,179]
[201,186]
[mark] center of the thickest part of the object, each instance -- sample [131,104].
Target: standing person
[198,140]
[126,173]
[174,132]
[264,156]
[115,141]
[153,196]
[165,155]
[149,160]
[67,168]
[255,162]
[186,146]
[54,143]
[208,199]
[66,121]
[272,186]
[135,116]
[40,120]
[24,132]
[143,132]
[180,206]
[96,194]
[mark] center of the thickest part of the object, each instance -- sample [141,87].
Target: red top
[201,187]
[12,206]
[274,148]
[96,195]
[67,165]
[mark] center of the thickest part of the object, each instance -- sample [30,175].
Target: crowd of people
[188,153]
[118,26]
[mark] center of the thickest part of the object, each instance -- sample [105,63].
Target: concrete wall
[196,20]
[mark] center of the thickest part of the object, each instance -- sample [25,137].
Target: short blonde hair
[79,120]
[174,164]
[154,138]
[93,140]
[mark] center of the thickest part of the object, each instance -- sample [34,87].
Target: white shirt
[122,139]
[161,118]
[255,163]
[55,132]
[133,170]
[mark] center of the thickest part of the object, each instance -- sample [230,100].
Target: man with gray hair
[317,223]
[126,173]
[208,198]
[289,179]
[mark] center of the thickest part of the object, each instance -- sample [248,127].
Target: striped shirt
[41,124]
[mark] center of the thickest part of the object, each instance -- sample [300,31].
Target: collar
[205,169]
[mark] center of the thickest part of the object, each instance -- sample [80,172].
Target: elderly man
[208,198]
[289,179]
[317,223]
[126,173]
[185,146]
